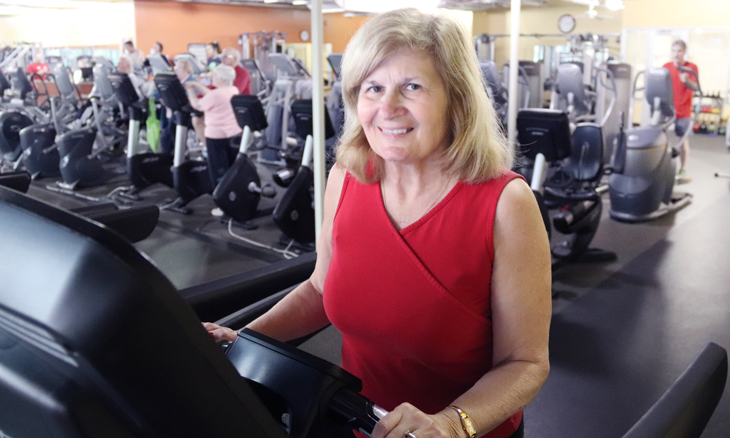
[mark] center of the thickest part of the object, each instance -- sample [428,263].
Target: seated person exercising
[81,74]
[126,65]
[157,50]
[184,72]
[433,261]
[38,66]
[220,121]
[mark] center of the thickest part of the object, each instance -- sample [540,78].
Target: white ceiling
[471,5]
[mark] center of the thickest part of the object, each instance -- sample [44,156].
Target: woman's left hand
[406,419]
[220,333]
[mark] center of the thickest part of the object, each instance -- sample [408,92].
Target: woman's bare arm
[301,311]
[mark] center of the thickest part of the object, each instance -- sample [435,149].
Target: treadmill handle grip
[355,411]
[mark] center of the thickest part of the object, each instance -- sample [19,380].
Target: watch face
[566,23]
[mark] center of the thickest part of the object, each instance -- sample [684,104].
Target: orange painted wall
[338,30]
[176,24]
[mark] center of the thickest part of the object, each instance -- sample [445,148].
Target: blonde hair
[185,65]
[478,149]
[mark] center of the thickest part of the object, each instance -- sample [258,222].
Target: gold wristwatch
[466,422]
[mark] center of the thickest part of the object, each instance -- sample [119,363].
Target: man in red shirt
[230,57]
[38,66]
[683,87]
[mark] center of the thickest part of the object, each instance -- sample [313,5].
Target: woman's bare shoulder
[516,194]
[335,181]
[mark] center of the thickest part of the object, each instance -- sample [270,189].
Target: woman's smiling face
[402,108]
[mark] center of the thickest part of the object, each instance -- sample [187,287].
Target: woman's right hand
[220,334]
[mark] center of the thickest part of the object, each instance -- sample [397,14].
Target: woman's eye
[375,89]
[413,87]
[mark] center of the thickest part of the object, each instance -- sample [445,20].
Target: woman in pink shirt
[220,121]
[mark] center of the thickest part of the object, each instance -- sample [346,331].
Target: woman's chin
[396,158]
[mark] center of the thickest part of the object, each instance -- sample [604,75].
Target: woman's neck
[410,192]
[415,178]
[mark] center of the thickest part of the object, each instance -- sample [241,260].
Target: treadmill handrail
[217,298]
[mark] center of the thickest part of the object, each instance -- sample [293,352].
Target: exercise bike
[191,178]
[568,165]
[567,170]
[294,213]
[240,190]
[144,168]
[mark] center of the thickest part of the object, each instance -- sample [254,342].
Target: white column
[514,67]
[318,113]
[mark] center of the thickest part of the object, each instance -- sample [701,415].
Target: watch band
[466,422]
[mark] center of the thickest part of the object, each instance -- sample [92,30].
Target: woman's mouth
[395,131]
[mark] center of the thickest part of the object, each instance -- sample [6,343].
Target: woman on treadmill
[433,260]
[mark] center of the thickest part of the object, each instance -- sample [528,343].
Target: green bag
[153,128]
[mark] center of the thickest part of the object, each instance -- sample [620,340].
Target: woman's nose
[391,105]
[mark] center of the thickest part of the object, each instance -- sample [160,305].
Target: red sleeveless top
[413,306]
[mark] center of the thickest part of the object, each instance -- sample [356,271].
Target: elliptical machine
[530,83]
[570,94]
[618,117]
[335,104]
[40,152]
[80,165]
[190,177]
[11,124]
[4,84]
[107,110]
[20,110]
[497,89]
[292,80]
[144,168]
[643,189]
[66,112]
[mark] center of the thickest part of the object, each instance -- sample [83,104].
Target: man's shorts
[681,126]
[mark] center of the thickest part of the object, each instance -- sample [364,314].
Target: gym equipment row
[53,149]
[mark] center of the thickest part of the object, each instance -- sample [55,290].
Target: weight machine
[264,44]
